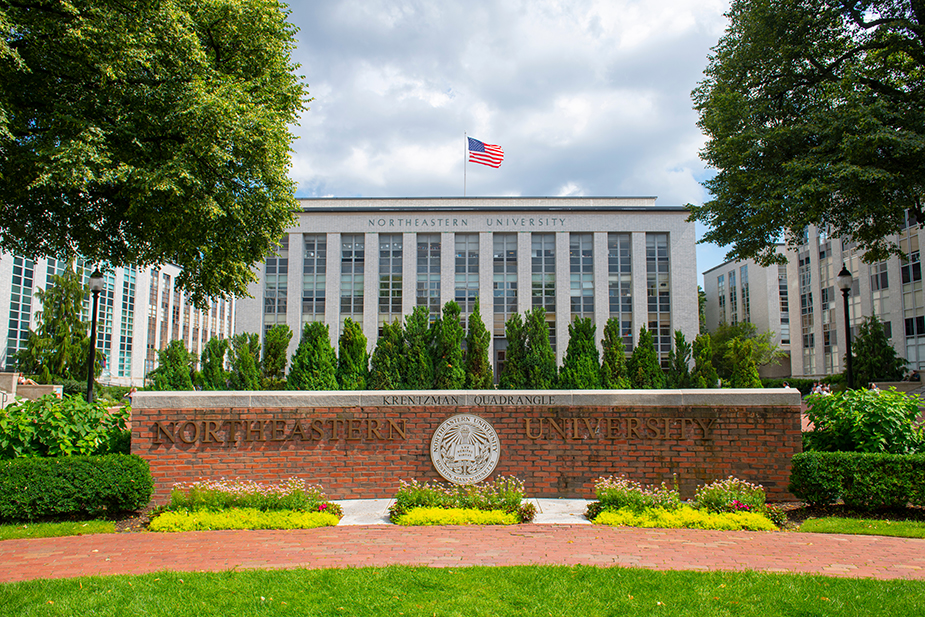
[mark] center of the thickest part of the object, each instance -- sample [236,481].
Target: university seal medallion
[465,449]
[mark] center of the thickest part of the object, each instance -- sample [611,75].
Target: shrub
[503,494]
[478,367]
[353,359]
[49,426]
[615,493]
[312,366]
[291,494]
[613,361]
[241,518]
[643,368]
[863,480]
[865,421]
[730,495]
[581,369]
[43,488]
[685,517]
[455,516]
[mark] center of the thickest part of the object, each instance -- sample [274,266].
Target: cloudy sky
[586,97]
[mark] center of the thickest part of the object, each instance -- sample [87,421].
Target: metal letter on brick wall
[465,449]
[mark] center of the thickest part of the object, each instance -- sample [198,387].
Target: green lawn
[52,530]
[864,526]
[525,590]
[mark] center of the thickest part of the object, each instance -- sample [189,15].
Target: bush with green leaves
[245,353]
[873,357]
[539,359]
[49,426]
[275,357]
[73,486]
[212,373]
[618,492]
[644,370]
[513,372]
[479,374]
[686,517]
[739,354]
[863,480]
[730,495]
[417,357]
[352,358]
[679,372]
[703,375]
[449,373]
[503,494]
[174,368]
[291,494]
[865,421]
[312,365]
[385,364]
[613,362]
[581,369]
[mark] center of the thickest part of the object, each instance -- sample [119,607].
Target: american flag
[486,154]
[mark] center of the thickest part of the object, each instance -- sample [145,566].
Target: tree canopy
[148,132]
[813,110]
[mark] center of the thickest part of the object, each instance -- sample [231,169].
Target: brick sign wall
[360,444]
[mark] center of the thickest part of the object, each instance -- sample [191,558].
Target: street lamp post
[96,286]
[845,281]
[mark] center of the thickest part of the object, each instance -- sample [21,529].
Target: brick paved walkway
[379,545]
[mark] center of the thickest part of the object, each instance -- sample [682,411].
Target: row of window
[428,269]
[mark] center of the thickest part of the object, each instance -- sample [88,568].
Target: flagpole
[465,156]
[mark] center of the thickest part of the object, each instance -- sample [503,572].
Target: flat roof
[484,204]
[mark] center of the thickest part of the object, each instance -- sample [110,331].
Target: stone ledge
[778,397]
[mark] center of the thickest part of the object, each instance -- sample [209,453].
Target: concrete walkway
[558,537]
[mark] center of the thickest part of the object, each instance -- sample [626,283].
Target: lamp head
[96,281]
[843,279]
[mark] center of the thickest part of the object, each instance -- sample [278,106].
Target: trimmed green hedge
[69,486]
[862,480]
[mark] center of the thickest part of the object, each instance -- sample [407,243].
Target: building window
[658,294]
[428,283]
[390,277]
[151,350]
[721,297]
[784,304]
[314,276]
[581,273]
[620,284]
[543,278]
[275,289]
[806,315]
[127,328]
[913,303]
[352,263]
[467,272]
[504,279]
[20,308]
[746,304]
[733,299]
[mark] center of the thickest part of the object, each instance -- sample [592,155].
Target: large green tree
[314,360]
[417,360]
[352,358]
[479,375]
[448,354]
[275,357]
[763,349]
[581,368]
[813,115]
[58,349]
[613,363]
[872,355]
[148,132]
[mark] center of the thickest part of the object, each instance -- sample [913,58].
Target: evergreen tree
[513,371]
[385,365]
[764,349]
[212,373]
[873,358]
[744,369]
[613,364]
[352,358]
[59,347]
[540,360]
[174,368]
[581,369]
[448,354]
[245,350]
[644,370]
[313,363]
[679,372]
[703,375]
[417,360]
[275,352]
[479,375]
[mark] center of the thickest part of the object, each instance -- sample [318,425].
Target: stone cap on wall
[727,397]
